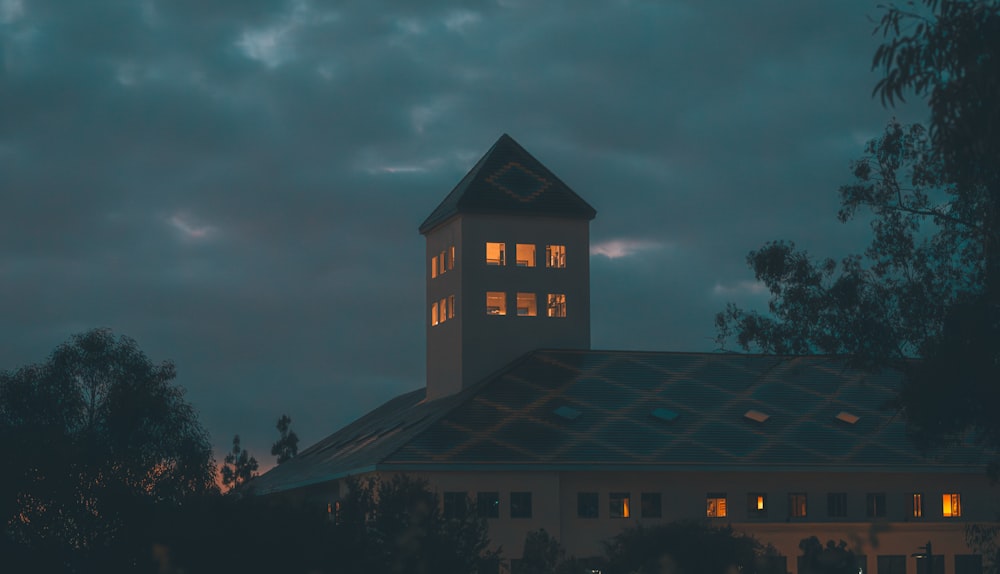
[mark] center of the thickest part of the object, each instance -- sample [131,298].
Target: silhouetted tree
[928,285]
[239,467]
[288,444]
[542,553]
[95,436]
[834,558]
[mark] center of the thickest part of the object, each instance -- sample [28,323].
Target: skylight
[756,415]
[568,413]
[847,417]
[666,415]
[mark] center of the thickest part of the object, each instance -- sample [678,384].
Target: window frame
[559,257]
[555,305]
[648,508]
[619,505]
[916,504]
[532,259]
[757,505]
[532,304]
[798,501]
[501,260]
[836,504]
[720,511]
[488,504]
[588,505]
[875,505]
[954,503]
[520,504]
[502,309]
[454,505]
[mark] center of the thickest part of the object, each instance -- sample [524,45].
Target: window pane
[443,310]
[496,303]
[526,306]
[951,505]
[441,268]
[555,256]
[488,504]
[836,504]
[586,505]
[434,313]
[451,259]
[797,505]
[916,505]
[716,504]
[451,306]
[756,504]
[525,255]
[454,504]
[495,254]
[618,505]
[652,506]
[434,267]
[875,504]
[556,306]
[520,505]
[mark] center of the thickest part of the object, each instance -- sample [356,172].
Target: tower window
[526,306]
[451,258]
[451,306]
[496,303]
[951,505]
[495,253]
[756,504]
[618,505]
[555,256]
[434,313]
[556,305]
[525,255]
[434,267]
[916,505]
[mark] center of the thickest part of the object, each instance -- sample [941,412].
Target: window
[916,505]
[333,511]
[525,254]
[618,506]
[434,313]
[496,303]
[451,258]
[756,504]
[451,306]
[520,505]
[443,310]
[652,505]
[951,505]
[442,262]
[488,504]
[836,504]
[875,504]
[716,505]
[586,504]
[455,505]
[434,267]
[968,564]
[556,305]
[891,564]
[526,306]
[495,254]
[555,256]
[797,505]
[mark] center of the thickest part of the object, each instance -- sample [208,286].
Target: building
[541,432]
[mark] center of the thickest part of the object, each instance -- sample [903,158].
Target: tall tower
[508,269]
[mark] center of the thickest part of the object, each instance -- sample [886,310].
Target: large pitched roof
[509,180]
[620,410]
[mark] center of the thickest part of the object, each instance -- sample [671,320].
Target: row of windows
[836,505]
[443,310]
[443,262]
[524,255]
[527,304]
[455,504]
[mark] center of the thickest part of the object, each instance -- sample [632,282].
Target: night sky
[237,184]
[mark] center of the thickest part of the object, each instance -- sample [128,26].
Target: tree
[834,558]
[96,435]
[239,467]
[928,285]
[288,444]
[542,553]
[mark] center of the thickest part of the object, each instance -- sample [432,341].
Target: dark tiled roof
[508,180]
[509,421]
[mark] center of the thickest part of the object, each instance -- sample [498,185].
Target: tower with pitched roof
[508,269]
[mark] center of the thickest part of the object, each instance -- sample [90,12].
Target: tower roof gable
[508,180]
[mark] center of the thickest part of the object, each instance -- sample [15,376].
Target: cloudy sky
[237,184]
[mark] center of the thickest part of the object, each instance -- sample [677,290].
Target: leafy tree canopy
[287,445]
[238,468]
[834,558]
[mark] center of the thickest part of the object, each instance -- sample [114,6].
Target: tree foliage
[287,445]
[834,558]
[239,467]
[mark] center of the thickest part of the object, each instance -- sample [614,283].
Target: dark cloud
[237,184]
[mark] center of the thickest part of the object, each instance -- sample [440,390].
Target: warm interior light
[434,313]
[625,512]
[495,253]
[525,255]
[434,267]
[555,256]
[526,305]
[496,303]
[760,502]
[951,505]
[556,306]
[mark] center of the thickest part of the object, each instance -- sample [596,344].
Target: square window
[797,505]
[916,505]
[495,253]
[496,303]
[586,504]
[455,505]
[716,505]
[526,306]
[875,504]
[951,505]
[488,504]
[556,305]
[434,313]
[836,504]
[756,504]
[525,254]
[555,256]
[520,505]
[618,506]
[652,506]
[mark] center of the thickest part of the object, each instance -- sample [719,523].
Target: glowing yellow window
[441,263]
[451,258]
[716,505]
[434,267]
[451,306]
[916,505]
[496,303]
[556,306]
[951,504]
[495,253]
[526,306]
[756,504]
[619,505]
[525,255]
[555,256]
[434,313]
[443,310]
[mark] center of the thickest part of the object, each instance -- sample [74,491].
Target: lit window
[455,505]
[520,505]
[652,506]
[556,305]
[496,303]
[434,267]
[525,255]
[451,306]
[434,313]
[451,260]
[586,504]
[916,505]
[555,256]
[488,504]
[495,254]
[441,263]
[797,505]
[756,504]
[526,306]
[716,505]
[875,504]
[618,506]
[951,505]
[836,504]
[443,311]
